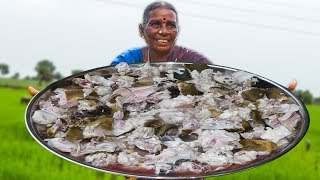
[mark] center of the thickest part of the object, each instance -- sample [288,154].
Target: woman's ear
[178,29]
[141,30]
[178,32]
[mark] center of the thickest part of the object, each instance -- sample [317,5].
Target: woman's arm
[130,56]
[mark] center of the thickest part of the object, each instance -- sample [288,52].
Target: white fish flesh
[147,118]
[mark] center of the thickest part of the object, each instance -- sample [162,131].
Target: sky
[276,39]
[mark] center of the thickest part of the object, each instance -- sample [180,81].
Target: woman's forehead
[162,14]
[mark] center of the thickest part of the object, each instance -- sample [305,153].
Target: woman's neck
[158,56]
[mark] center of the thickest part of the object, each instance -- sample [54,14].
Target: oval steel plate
[302,126]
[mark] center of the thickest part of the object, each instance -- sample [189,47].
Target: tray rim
[303,129]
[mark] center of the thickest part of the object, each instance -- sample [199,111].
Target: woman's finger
[293,85]
[32,91]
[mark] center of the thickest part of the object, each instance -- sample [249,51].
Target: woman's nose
[164,30]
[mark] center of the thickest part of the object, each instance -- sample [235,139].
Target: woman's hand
[32,90]
[292,85]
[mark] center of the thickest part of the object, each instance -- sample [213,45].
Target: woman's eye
[155,25]
[171,26]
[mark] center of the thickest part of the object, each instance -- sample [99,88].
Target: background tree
[16,75]
[76,71]
[4,68]
[57,76]
[305,96]
[27,78]
[35,78]
[45,69]
[317,100]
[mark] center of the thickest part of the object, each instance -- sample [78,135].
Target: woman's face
[161,30]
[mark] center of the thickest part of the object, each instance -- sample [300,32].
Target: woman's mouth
[162,41]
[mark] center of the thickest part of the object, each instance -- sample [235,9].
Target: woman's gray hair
[154,6]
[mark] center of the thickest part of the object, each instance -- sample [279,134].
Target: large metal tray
[302,126]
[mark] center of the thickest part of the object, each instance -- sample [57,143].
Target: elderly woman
[160,29]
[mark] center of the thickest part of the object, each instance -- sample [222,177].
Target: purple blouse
[179,54]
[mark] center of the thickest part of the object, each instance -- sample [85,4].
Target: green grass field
[21,84]
[23,158]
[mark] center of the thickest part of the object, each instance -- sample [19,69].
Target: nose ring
[160,31]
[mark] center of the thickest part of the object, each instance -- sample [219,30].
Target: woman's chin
[163,49]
